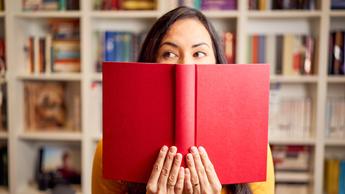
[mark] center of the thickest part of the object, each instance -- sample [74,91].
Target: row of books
[336,53]
[3,165]
[57,51]
[335,119]
[334,176]
[117,46]
[125,4]
[337,4]
[289,117]
[207,4]
[281,5]
[50,5]
[287,54]
[52,106]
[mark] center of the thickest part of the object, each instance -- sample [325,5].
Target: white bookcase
[23,146]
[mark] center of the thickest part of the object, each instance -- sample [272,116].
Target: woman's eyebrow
[169,43]
[199,44]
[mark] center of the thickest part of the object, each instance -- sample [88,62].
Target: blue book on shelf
[338,4]
[262,48]
[109,46]
[342,177]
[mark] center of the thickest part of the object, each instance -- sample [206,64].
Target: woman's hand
[167,176]
[200,176]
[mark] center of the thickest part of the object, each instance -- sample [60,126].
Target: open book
[222,107]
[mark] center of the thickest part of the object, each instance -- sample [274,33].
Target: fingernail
[202,149]
[178,156]
[194,150]
[164,148]
[173,149]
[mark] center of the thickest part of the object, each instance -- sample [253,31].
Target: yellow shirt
[104,186]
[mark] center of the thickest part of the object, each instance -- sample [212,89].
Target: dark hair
[151,44]
[150,47]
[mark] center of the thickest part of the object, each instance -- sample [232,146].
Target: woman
[182,36]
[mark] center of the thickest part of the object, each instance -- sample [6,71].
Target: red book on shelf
[222,107]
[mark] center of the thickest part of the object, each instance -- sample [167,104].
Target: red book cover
[222,107]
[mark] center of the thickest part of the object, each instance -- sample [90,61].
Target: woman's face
[186,42]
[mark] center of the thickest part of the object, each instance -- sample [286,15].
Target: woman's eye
[169,55]
[199,54]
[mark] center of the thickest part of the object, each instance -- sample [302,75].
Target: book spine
[185,108]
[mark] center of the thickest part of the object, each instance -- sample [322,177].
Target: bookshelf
[18,25]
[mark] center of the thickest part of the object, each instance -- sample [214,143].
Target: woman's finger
[157,167]
[174,172]
[193,173]
[179,182]
[204,182]
[188,188]
[209,168]
[163,178]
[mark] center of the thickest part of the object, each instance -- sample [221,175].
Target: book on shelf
[117,46]
[2,55]
[229,42]
[125,4]
[49,107]
[334,176]
[281,5]
[287,54]
[291,158]
[3,107]
[208,4]
[336,60]
[3,165]
[151,105]
[288,188]
[289,116]
[58,164]
[96,106]
[50,5]
[337,4]
[57,51]
[335,120]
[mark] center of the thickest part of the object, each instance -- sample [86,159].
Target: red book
[222,107]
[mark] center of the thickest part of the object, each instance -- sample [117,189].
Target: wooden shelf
[294,79]
[335,142]
[222,14]
[336,79]
[124,14]
[3,135]
[34,190]
[52,76]
[49,14]
[283,14]
[290,141]
[51,135]
[337,13]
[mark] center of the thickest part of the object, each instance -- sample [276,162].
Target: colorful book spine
[50,5]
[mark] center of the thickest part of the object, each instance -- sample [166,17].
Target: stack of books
[336,53]
[282,5]
[335,119]
[288,54]
[125,5]
[50,5]
[57,51]
[292,171]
